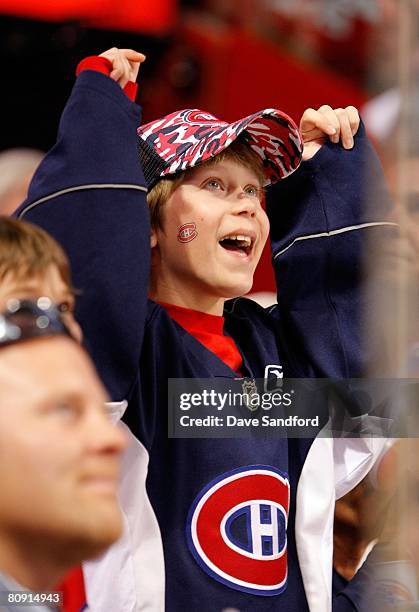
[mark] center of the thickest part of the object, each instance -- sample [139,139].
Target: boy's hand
[339,124]
[125,64]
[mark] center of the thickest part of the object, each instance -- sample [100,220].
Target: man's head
[59,458]
[206,181]
[32,264]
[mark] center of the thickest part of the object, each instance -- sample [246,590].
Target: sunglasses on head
[26,319]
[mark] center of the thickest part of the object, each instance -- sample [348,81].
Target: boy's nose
[244,204]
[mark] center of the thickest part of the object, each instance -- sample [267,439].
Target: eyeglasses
[26,319]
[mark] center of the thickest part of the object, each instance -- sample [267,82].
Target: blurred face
[59,454]
[51,285]
[14,197]
[214,232]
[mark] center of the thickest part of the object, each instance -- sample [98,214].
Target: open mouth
[238,243]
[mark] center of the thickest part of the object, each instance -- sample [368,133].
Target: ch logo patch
[187,232]
[236,529]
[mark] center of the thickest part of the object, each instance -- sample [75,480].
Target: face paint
[187,232]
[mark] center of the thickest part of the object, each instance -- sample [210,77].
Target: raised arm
[323,218]
[89,194]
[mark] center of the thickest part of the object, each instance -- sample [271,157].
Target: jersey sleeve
[89,193]
[324,219]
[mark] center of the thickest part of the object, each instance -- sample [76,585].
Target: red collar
[209,330]
[194,319]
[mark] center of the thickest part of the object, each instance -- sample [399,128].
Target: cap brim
[190,137]
[276,139]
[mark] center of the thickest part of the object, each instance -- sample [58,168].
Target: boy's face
[59,454]
[221,200]
[49,284]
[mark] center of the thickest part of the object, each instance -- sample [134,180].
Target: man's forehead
[41,365]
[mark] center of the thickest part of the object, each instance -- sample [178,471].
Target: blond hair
[238,151]
[27,251]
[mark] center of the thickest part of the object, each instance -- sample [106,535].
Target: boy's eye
[213,184]
[253,191]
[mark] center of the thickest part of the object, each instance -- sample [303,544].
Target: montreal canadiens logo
[198,117]
[236,529]
[187,232]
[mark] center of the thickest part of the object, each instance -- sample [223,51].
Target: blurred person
[32,264]
[98,211]
[394,560]
[401,276]
[59,454]
[16,170]
[361,516]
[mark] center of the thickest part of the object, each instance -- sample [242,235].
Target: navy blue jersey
[89,194]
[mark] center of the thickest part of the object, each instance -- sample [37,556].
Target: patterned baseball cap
[189,137]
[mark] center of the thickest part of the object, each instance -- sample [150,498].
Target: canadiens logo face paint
[237,529]
[187,232]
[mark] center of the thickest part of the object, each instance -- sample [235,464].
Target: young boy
[208,229]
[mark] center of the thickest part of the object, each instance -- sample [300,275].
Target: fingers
[349,123]
[354,118]
[125,64]
[131,55]
[317,122]
[121,71]
[340,124]
[345,130]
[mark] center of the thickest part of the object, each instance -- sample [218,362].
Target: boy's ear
[153,238]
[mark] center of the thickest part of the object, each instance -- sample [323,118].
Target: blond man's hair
[238,151]
[27,251]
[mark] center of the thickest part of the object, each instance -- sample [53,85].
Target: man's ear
[153,238]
